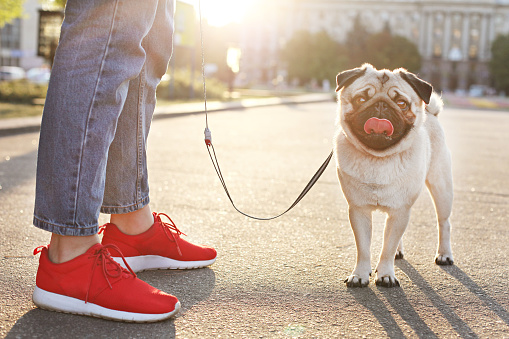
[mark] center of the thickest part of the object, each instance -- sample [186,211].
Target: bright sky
[222,12]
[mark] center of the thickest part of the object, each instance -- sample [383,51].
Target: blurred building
[19,40]
[453,37]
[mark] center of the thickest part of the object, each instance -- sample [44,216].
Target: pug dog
[388,144]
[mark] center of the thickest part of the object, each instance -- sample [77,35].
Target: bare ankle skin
[134,223]
[64,248]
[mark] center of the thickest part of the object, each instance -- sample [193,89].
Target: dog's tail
[435,104]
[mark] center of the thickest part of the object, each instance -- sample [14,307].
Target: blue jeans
[101,98]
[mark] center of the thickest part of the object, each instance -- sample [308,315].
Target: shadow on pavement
[17,170]
[399,301]
[456,322]
[367,298]
[190,286]
[475,289]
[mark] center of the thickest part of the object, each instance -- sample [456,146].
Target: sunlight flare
[223,12]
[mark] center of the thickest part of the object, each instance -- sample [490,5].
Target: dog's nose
[380,109]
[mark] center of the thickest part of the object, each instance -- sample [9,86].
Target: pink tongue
[378,126]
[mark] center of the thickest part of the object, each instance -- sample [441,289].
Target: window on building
[474,37]
[437,50]
[10,36]
[438,34]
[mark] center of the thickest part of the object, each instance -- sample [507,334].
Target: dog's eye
[359,100]
[402,104]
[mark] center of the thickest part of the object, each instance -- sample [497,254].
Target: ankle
[65,248]
[134,223]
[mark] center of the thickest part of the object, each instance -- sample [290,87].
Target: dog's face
[379,108]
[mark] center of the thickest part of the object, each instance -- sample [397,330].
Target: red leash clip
[208,137]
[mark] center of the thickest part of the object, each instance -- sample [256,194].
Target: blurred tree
[313,57]
[356,40]
[9,10]
[60,3]
[384,50]
[499,67]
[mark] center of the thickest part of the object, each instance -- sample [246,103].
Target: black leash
[306,189]
[212,151]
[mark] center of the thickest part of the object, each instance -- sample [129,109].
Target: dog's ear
[345,78]
[421,87]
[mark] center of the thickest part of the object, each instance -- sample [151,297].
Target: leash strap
[212,151]
[314,179]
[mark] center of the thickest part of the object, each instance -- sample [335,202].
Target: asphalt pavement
[284,278]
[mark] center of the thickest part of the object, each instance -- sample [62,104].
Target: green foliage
[24,91]
[9,110]
[317,56]
[182,83]
[53,4]
[9,10]
[357,42]
[21,91]
[313,56]
[60,3]
[499,65]
[384,50]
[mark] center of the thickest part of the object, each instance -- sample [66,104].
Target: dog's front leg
[395,226]
[360,221]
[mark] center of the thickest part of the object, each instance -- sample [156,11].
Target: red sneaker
[94,284]
[160,247]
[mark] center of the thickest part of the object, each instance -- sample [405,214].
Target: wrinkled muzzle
[379,126]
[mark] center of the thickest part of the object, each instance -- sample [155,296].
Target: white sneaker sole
[61,303]
[156,262]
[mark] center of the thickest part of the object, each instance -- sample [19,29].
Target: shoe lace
[38,249]
[110,268]
[170,229]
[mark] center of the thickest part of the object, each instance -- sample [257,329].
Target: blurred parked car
[478,90]
[11,73]
[39,75]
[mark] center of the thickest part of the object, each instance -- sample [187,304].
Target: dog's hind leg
[360,220]
[442,195]
[399,251]
[439,183]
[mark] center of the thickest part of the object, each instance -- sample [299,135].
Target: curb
[477,103]
[9,127]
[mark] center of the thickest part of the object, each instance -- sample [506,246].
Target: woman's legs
[99,54]
[126,195]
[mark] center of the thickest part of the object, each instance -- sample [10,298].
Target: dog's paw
[387,281]
[356,281]
[399,255]
[444,260]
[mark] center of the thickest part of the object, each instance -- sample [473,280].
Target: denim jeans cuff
[127,208]
[69,230]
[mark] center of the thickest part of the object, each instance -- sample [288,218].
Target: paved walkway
[284,278]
